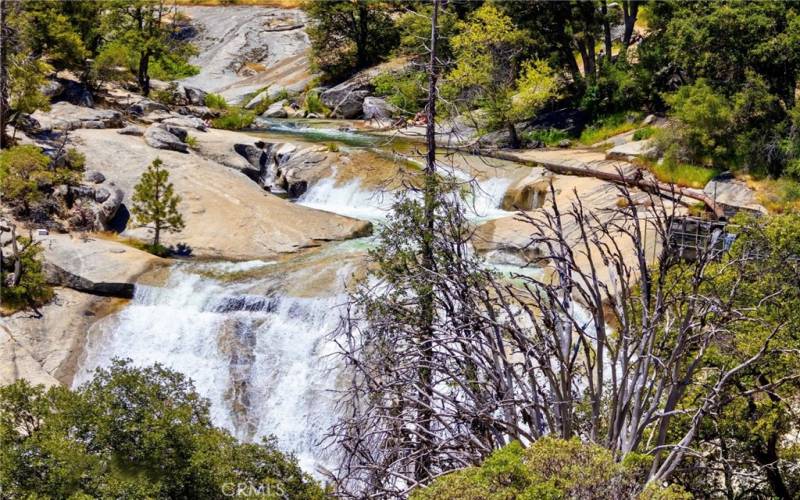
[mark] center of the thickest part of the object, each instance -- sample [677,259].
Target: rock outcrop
[243,50]
[160,137]
[275,110]
[66,116]
[93,265]
[346,100]
[46,350]
[227,215]
[375,108]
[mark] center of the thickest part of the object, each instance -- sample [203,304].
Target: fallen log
[583,170]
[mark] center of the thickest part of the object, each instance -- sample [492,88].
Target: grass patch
[216,101]
[549,137]
[191,141]
[609,126]
[313,104]
[644,133]
[682,174]
[234,119]
[778,195]
[158,250]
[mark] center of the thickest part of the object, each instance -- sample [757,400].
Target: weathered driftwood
[584,170]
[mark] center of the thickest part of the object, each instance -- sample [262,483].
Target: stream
[253,335]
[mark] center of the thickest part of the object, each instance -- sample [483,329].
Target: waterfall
[261,359]
[349,199]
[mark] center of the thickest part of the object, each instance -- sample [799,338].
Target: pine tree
[155,202]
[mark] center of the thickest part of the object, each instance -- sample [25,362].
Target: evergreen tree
[155,202]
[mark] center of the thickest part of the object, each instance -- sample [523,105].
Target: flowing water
[254,335]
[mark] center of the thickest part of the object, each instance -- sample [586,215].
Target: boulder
[186,122]
[94,177]
[108,208]
[74,92]
[634,149]
[375,108]
[196,96]
[734,195]
[145,106]
[346,100]
[66,116]
[275,110]
[101,195]
[51,89]
[203,112]
[131,130]
[160,137]
[649,120]
[96,266]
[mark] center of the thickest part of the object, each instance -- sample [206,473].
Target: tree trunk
[606,30]
[513,137]
[630,9]
[4,109]
[143,74]
[361,43]
[423,471]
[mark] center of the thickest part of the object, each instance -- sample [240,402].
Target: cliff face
[244,49]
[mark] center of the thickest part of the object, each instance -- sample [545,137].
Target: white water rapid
[259,358]
[256,349]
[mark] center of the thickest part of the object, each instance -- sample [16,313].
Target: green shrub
[644,133]
[22,170]
[132,433]
[313,104]
[609,126]
[32,289]
[548,469]
[549,137]
[234,119]
[683,174]
[407,92]
[191,141]
[216,101]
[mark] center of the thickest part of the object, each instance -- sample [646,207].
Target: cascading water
[261,359]
[258,352]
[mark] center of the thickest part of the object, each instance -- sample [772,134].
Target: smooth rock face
[275,110]
[375,108]
[159,137]
[46,350]
[66,116]
[630,150]
[186,122]
[96,266]
[227,215]
[244,49]
[733,195]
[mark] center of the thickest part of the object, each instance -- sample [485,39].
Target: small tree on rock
[155,202]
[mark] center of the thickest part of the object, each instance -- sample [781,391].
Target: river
[254,335]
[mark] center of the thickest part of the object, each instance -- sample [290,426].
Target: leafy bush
[172,68]
[132,433]
[549,137]
[407,91]
[779,195]
[216,101]
[112,64]
[234,119]
[683,174]
[549,469]
[616,89]
[644,133]
[32,289]
[609,126]
[701,130]
[22,170]
[313,104]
